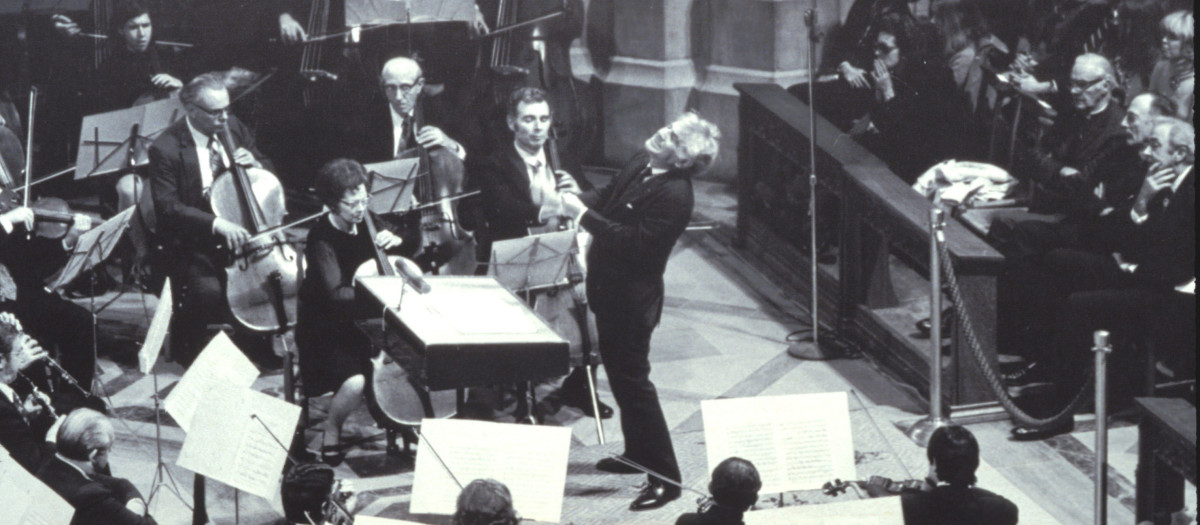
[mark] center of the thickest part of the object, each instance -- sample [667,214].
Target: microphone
[412,275]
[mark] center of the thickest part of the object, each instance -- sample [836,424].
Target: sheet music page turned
[219,366]
[25,500]
[797,442]
[228,444]
[157,333]
[530,460]
[876,511]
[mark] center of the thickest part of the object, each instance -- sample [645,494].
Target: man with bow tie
[634,222]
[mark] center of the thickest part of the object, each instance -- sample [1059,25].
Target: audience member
[734,488]
[77,473]
[1174,75]
[971,50]
[949,494]
[485,502]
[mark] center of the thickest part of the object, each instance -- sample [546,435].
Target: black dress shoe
[1023,433]
[654,496]
[616,467]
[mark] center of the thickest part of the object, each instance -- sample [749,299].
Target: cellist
[184,162]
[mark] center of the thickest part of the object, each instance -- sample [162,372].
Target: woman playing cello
[332,349]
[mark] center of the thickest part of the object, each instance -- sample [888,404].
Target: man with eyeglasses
[387,129]
[184,162]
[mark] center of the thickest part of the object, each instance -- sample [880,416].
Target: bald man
[385,129]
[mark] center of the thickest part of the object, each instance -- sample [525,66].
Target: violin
[52,215]
[876,486]
[444,244]
[262,282]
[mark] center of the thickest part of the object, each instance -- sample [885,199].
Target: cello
[444,244]
[262,282]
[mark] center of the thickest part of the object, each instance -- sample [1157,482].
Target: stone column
[754,41]
[651,75]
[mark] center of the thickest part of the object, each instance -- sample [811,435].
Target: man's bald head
[401,81]
[1139,118]
[1092,82]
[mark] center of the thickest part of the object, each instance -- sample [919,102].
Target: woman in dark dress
[332,349]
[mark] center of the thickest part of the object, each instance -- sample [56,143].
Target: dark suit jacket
[1163,247]
[504,208]
[948,505]
[634,226]
[97,501]
[1094,145]
[185,218]
[367,136]
[21,439]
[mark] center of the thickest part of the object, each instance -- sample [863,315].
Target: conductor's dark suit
[196,254]
[635,225]
[97,501]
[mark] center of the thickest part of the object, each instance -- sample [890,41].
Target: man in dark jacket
[635,222]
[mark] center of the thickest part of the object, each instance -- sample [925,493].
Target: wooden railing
[877,221]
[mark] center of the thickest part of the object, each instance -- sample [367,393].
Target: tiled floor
[723,334]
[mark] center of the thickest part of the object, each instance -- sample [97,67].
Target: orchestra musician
[332,348]
[184,162]
[136,71]
[518,191]
[379,135]
[635,221]
[23,422]
[27,260]
[79,472]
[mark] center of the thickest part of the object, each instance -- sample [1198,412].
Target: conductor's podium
[471,331]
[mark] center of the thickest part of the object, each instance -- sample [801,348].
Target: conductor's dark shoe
[654,496]
[614,466]
[1024,433]
[584,403]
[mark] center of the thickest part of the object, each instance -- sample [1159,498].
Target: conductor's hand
[431,137]
[290,31]
[165,81]
[571,204]
[19,215]
[243,157]
[65,26]
[387,240]
[234,235]
[566,183]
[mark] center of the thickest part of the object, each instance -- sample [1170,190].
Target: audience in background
[1174,75]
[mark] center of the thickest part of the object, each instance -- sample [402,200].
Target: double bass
[262,281]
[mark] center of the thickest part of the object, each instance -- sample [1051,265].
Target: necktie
[405,134]
[215,163]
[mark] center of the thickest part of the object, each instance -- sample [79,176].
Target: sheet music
[530,460]
[157,333]
[230,446]
[875,511]
[25,500]
[220,365]
[482,314]
[93,246]
[104,138]
[797,442]
[536,261]
[392,189]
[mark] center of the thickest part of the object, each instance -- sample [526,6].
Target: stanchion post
[920,431]
[1102,348]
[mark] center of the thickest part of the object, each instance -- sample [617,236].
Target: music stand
[117,141]
[92,248]
[533,263]
[390,185]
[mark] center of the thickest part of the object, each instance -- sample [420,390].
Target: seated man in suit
[184,162]
[949,494]
[520,195]
[23,422]
[1132,289]
[76,472]
[734,488]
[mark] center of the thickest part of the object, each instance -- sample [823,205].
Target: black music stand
[117,141]
[391,184]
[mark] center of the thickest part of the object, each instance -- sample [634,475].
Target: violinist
[519,190]
[27,258]
[184,162]
[734,488]
[23,422]
[332,348]
[949,494]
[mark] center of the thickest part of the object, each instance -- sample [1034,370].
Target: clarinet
[38,396]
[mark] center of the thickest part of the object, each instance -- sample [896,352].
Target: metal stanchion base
[921,431]
[807,350]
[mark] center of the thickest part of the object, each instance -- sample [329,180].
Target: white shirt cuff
[6,224]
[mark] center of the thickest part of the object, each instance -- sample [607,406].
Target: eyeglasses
[404,88]
[1085,84]
[356,204]
[884,48]
[214,113]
